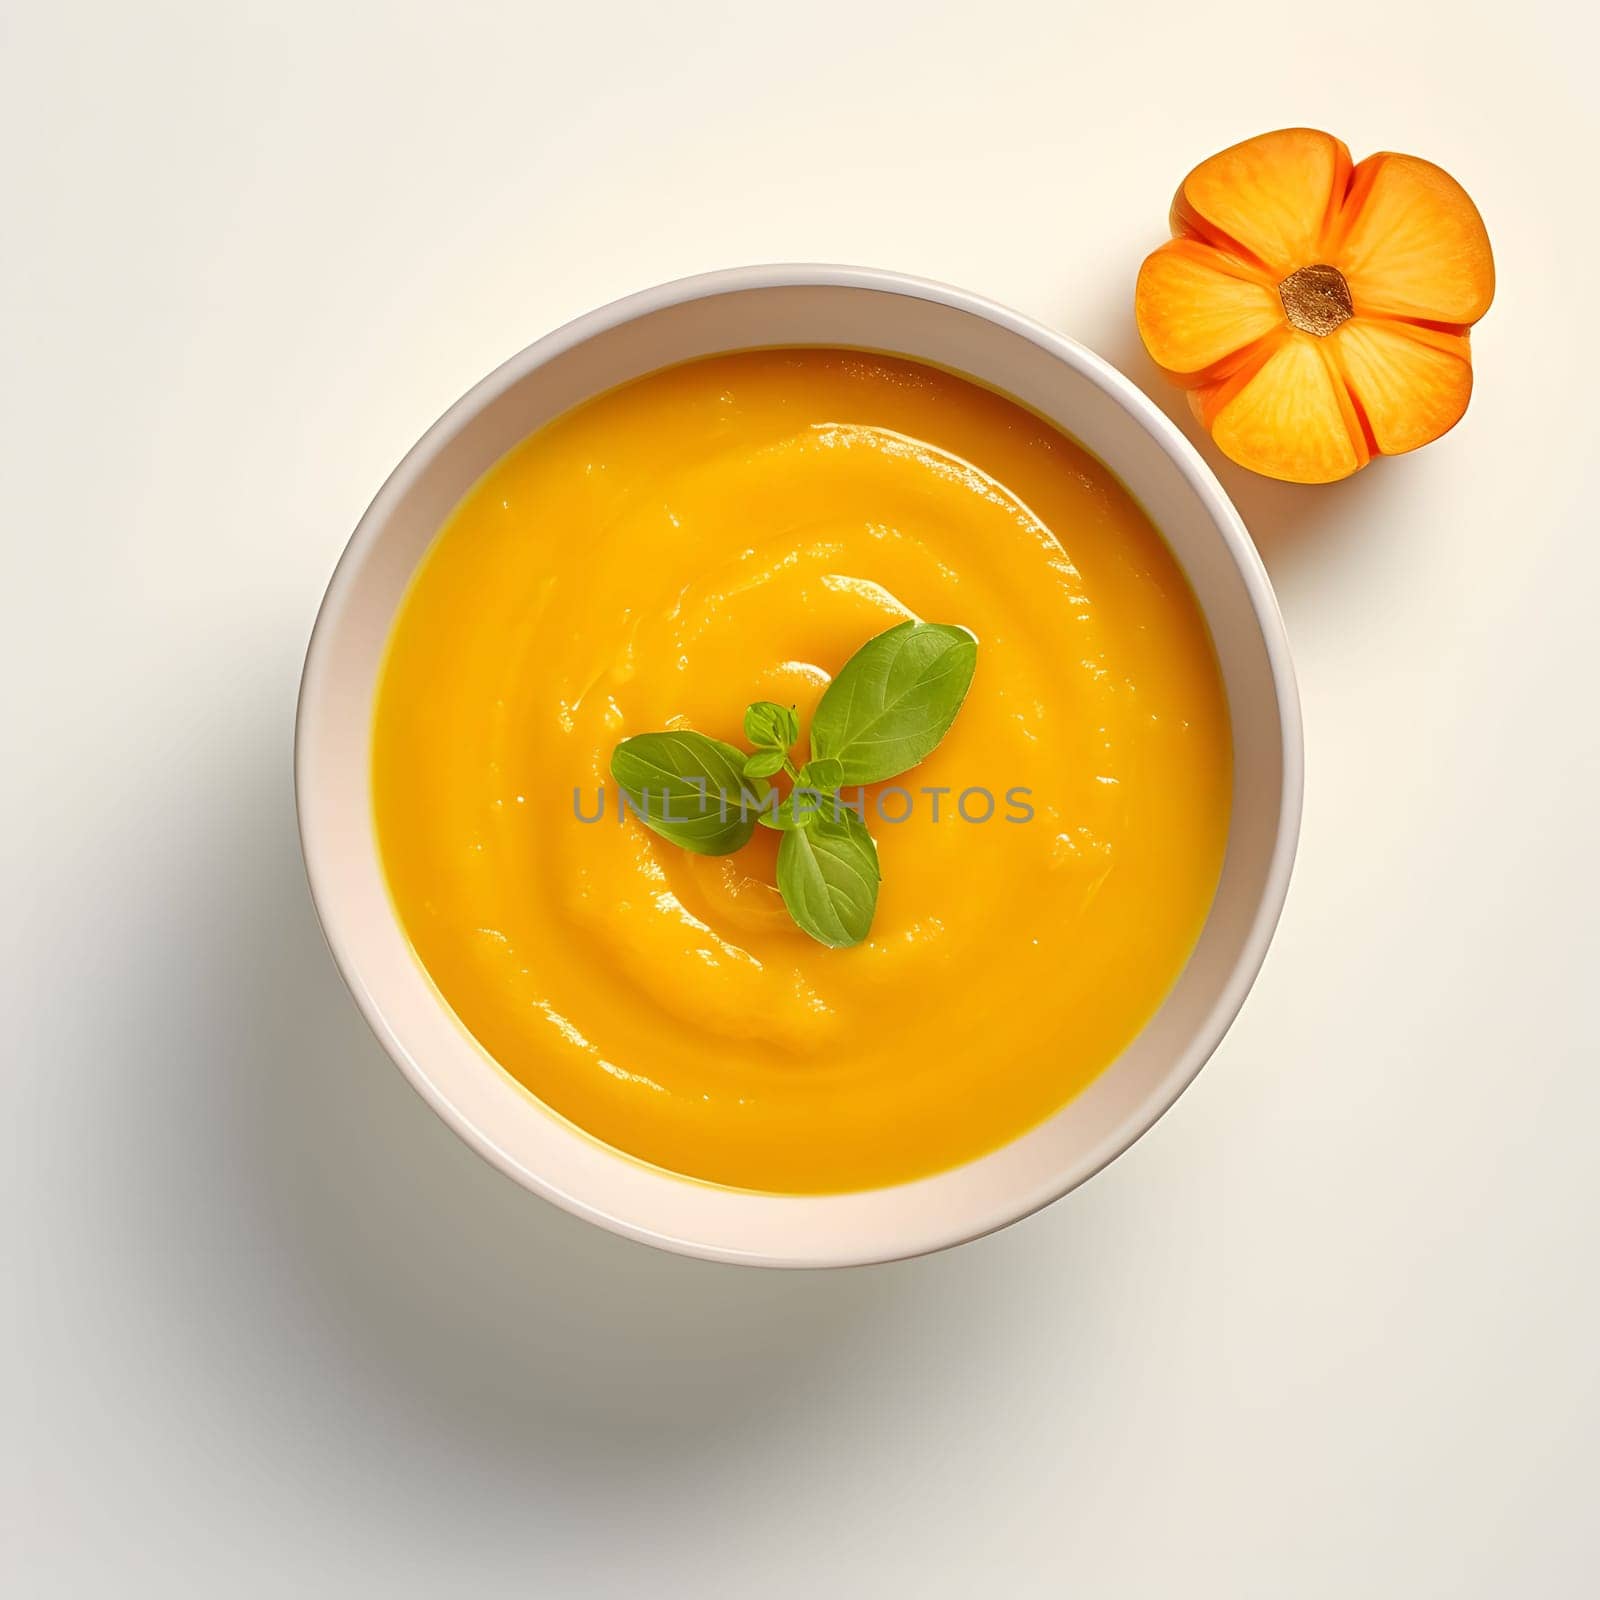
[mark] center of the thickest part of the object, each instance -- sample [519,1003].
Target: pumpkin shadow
[1293,524]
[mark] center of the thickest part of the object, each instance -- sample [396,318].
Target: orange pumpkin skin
[1317,311]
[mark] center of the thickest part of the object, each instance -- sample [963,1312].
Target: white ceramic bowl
[796,305]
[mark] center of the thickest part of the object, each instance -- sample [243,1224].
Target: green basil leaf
[828,877]
[764,763]
[894,700]
[770,726]
[798,809]
[687,788]
[824,773]
[782,818]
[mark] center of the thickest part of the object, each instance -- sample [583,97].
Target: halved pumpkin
[1317,311]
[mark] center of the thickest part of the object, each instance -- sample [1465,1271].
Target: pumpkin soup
[729,533]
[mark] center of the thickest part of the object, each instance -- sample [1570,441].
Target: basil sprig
[891,704]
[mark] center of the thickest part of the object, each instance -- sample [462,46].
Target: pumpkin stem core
[1316,299]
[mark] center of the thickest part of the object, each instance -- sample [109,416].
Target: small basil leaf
[828,877]
[687,788]
[771,726]
[781,819]
[894,700]
[825,774]
[798,809]
[763,763]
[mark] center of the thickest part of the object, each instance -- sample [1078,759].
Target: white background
[1329,1330]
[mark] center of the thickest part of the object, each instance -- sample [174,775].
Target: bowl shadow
[333,1225]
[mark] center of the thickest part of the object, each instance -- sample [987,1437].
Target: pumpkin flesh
[1317,310]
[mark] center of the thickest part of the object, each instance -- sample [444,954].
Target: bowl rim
[1200,479]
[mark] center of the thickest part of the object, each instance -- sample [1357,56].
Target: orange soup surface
[732,530]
